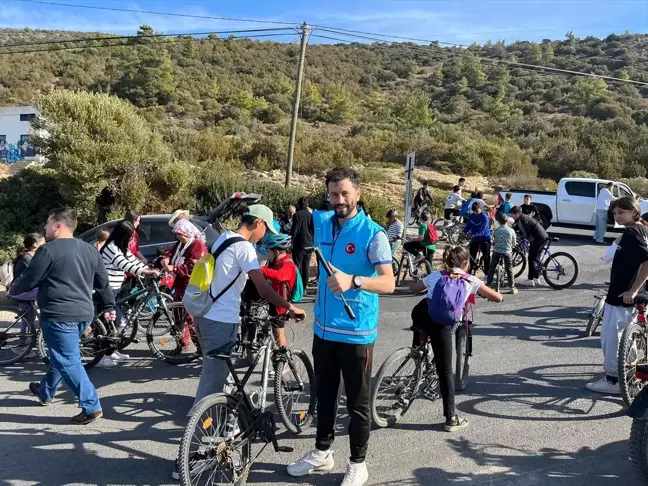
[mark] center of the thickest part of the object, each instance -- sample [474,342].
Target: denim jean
[62,340]
[601,224]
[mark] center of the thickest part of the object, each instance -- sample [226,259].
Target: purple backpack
[448,298]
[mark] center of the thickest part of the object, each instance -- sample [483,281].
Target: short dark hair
[64,216]
[248,220]
[480,195]
[340,173]
[426,183]
[516,210]
[473,195]
[528,195]
[462,179]
[508,196]
[302,203]
[609,184]
[103,234]
[132,215]
[502,218]
[456,189]
[475,206]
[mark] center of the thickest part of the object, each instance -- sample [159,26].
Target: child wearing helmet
[281,272]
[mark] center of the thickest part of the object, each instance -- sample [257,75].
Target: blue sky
[453,21]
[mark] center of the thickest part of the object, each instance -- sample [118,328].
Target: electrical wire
[92,39]
[499,61]
[352,32]
[170,14]
[31,51]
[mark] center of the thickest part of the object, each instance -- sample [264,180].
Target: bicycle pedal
[284,449]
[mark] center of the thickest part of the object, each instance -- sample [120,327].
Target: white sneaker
[356,474]
[122,324]
[106,362]
[311,462]
[604,386]
[117,356]
[536,282]
[528,283]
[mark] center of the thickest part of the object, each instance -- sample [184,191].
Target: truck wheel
[543,221]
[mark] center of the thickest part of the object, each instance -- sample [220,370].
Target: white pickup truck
[574,203]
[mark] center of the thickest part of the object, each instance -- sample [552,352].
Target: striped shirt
[117,264]
[395,231]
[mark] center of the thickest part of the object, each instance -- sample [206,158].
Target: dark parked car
[155,232]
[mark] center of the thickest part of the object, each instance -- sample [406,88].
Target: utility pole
[295,111]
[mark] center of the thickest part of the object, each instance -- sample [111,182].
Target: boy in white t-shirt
[218,328]
[457,261]
[453,203]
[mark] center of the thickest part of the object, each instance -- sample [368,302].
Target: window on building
[25,117]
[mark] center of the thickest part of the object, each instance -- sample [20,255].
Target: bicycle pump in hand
[329,272]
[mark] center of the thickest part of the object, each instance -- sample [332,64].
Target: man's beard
[343,211]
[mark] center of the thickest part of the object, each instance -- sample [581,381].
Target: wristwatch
[356,283]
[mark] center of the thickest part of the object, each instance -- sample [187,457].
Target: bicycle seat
[220,353]
[419,330]
[641,299]
[554,238]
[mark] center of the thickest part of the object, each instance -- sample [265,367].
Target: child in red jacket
[281,272]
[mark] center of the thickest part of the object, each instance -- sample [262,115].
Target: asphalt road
[532,422]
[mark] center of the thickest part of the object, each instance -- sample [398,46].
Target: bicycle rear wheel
[560,270]
[172,345]
[216,445]
[632,351]
[518,263]
[423,269]
[462,358]
[17,336]
[294,389]
[396,386]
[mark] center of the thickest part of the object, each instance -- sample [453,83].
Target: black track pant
[353,361]
[302,260]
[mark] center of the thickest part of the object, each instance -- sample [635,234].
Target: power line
[145,36]
[170,14]
[343,31]
[500,61]
[137,45]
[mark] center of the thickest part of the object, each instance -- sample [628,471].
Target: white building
[14,133]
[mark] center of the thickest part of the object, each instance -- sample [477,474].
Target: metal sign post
[409,175]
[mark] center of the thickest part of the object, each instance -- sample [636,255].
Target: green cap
[263,212]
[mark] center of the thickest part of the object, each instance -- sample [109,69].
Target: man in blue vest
[360,255]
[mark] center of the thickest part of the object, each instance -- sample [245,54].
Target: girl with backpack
[439,314]
[283,276]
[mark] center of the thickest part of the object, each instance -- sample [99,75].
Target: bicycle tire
[521,259]
[626,370]
[462,359]
[154,338]
[28,346]
[295,428]
[402,354]
[395,267]
[90,354]
[595,317]
[423,269]
[245,421]
[402,270]
[555,285]
[639,449]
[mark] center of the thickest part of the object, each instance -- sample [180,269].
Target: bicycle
[596,315]
[102,337]
[633,351]
[450,230]
[17,335]
[415,372]
[417,266]
[224,426]
[555,266]
[415,217]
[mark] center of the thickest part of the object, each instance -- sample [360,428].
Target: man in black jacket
[302,236]
[536,234]
[65,271]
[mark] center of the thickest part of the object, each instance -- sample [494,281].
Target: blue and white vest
[349,254]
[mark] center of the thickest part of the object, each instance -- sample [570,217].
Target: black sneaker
[86,418]
[455,424]
[34,387]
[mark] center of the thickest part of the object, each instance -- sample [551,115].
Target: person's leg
[429,256]
[62,339]
[486,252]
[298,258]
[305,267]
[473,249]
[280,335]
[615,320]
[356,360]
[441,340]
[396,246]
[411,247]
[213,335]
[601,225]
[327,378]
[534,251]
[492,267]
[508,266]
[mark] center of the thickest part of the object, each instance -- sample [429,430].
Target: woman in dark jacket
[25,301]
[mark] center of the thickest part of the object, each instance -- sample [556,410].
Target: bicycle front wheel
[17,336]
[294,389]
[423,269]
[169,336]
[462,359]
[632,351]
[595,317]
[519,263]
[216,445]
[560,270]
[92,345]
[397,383]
